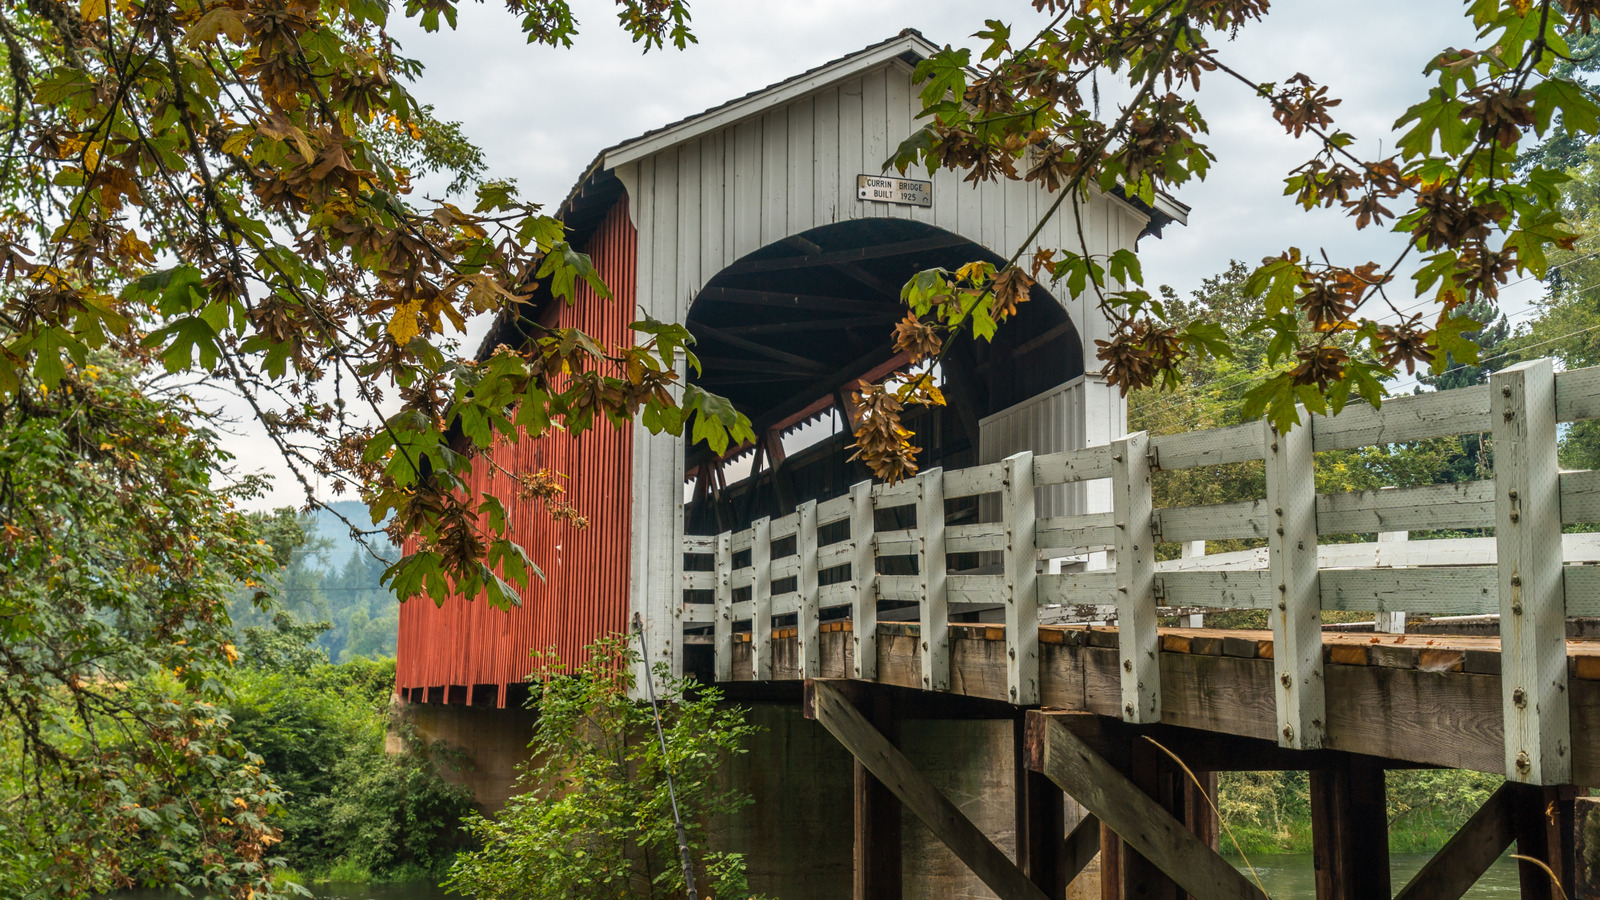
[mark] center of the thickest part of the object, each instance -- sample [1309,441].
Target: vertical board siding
[585,592]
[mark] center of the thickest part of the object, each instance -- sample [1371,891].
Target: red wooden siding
[585,591]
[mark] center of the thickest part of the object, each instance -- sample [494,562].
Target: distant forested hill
[327,576]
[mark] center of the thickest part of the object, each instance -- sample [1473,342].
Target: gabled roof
[909,45]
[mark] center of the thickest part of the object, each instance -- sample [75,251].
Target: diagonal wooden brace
[828,706]
[1142,824]
[1468,854]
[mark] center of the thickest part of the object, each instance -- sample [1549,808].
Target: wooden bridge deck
[1428,699]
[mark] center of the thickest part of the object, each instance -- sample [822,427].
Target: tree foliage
[1472,216]
[116,763]
[228,187]
[596,820]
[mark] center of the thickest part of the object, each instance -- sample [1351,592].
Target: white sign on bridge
[884,189]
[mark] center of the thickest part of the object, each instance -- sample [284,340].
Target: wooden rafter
[706,331]
[835,323]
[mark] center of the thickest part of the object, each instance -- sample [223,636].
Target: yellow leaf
[403,327]
[92,9]
[219,19]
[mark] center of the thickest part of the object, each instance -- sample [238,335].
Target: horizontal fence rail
[836,564]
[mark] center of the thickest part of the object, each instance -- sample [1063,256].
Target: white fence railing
[1521,573]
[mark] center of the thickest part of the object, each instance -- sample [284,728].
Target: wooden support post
[722,626]
[933,613]
[1200,808]
[877,815]
[1349,832]
[828,706]
[1141,877]
[1110,863]
[1467,855]
[1533,631]
[1138,643]
[863,585]
[808,623]
[1020,561]
[761,597]
[1041,821]
[1297,608]
[1543,820]
[1138,820]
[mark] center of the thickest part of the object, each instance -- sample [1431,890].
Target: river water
[1284,876]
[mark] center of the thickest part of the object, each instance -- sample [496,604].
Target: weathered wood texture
[1350,832]
[1446,690]
[829,706]
[1137,819]
[1467,855]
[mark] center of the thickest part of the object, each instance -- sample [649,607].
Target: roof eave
[906,43]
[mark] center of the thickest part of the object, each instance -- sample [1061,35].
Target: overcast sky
[543,114]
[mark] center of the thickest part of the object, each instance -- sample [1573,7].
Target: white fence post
[1297,608]
[933,613]
[808,622]
[1394,621]
[1138,643]
[1533,630]
[722,626]
[1020,562]
[864,584]
[761,595]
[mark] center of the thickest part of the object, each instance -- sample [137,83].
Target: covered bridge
[767,225]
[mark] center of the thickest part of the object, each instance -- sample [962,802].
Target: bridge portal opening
[788,331]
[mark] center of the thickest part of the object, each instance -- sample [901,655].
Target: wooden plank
[835,595]
[877,815]
[1415,418]
[1139,644]
[1212,447]
[933,610]
[699,581]
[1228,590]
[722,626]
[1578,394]
[973,481]
[829,707]
[982,537]
[892,495]
[1580,497]
[1244,520]
[761,599]
[784,526]
[699,543]
[1467,590]
[1582,588]
[1078,589]
[1075,532]
[1138,820]
[1467,855]
[1072,465]
[833,555]
[1467,504]
[808,619]
[835,510]
[1532,591]
[1020,562]
[863,583]
[1292,561]
[900,542]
